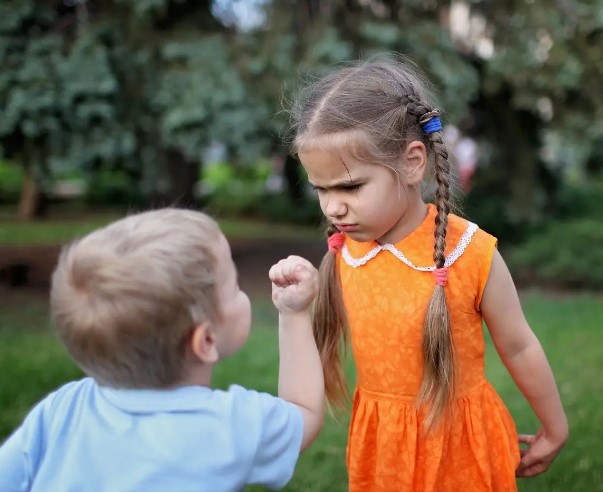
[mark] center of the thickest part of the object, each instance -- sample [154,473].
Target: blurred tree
[539,105]
[548,53]
[32,123]
[81,92]
[143,86]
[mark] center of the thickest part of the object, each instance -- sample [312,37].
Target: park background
[111,107]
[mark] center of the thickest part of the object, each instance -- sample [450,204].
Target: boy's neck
[200,375]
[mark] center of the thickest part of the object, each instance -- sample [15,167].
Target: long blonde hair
[382,102]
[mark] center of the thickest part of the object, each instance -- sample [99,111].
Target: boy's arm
[524,357]
[301,380]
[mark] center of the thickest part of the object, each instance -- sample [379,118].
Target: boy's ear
[415,160]
[203,344]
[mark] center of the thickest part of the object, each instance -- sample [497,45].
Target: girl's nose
[335,208]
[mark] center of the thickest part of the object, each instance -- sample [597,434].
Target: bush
[583,201]
[281,208]
[112,187]
[233,191]
[11,182]
[565,254]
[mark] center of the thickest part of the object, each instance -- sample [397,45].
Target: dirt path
[253,258]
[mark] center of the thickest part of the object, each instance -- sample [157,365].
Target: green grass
[33,363]
[64,229]
[569,329]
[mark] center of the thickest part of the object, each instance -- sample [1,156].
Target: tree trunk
[30,201]
[516,165]
[182,176]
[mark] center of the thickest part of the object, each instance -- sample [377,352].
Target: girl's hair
[372,110]
[125,298]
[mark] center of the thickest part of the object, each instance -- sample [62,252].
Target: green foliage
[565,254]
[30,87]
[202,98]
[146,8]
[91,92]
[327,48]
[549,54]
[428,44]
[59,100]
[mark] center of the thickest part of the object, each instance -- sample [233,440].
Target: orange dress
[386,300]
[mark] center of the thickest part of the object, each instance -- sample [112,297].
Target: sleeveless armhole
[487,244]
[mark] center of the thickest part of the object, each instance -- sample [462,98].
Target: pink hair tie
[441,276]
[335,242]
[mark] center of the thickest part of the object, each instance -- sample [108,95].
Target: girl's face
[366,201]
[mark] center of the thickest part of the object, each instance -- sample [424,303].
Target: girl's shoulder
[463,234]
[470,253]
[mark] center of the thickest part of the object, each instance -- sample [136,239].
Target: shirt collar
[180,399]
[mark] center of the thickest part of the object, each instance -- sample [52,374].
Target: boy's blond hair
[126,297]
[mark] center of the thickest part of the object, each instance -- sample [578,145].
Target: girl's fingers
[531,471]
[526,438]
[527,460]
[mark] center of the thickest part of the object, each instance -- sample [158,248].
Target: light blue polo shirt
[87,438]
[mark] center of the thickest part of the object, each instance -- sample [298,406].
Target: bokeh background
[109,107]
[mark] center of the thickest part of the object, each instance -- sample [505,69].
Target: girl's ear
[203,344]
[415,160]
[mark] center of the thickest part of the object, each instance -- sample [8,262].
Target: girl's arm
[523,356]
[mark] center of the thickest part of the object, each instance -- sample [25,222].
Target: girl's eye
[353,187]
[317,189]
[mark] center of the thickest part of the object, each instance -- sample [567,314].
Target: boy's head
[136,302]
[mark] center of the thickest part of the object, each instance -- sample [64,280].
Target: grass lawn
[62,229]
[33,363]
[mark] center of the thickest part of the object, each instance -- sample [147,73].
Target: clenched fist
[294,284]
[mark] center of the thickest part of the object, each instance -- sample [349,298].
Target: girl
[412,283]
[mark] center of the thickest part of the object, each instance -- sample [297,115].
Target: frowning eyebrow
[339,184]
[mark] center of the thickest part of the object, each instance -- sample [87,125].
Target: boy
[147,306]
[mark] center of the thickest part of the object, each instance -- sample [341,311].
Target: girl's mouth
[347,227]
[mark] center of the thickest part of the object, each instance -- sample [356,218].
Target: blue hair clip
[430,122]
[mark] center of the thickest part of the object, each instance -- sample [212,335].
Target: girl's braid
[418,109]
[442,175]
[439,379]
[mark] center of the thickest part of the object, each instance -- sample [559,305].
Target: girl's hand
[294,284]
[541,452]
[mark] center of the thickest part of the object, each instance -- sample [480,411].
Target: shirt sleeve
[280,437]
[20,453]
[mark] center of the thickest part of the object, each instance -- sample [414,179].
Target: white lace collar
[450,259]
